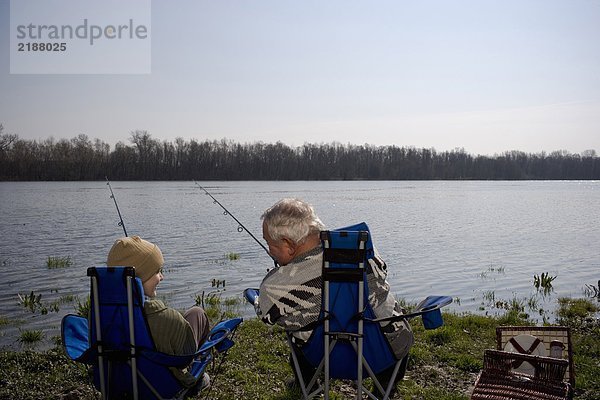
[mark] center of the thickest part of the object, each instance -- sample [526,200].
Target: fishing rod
[112,196]
[241,226]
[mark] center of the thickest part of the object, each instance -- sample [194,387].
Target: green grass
[58,262]
[47,375]
[33,302]
[218,308]
[257,365]
[30,301]
[83,308]
[30,338]
[572,311]
[443,363]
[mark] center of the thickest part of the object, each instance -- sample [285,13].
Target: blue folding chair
[118,343]
[348,342]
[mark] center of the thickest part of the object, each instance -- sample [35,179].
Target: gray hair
[293,219]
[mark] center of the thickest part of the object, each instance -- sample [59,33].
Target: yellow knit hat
[145,257]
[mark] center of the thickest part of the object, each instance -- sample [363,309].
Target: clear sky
[487,76]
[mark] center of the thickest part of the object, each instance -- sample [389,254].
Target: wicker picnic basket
[499,381]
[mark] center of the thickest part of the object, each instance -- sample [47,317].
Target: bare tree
[6,139]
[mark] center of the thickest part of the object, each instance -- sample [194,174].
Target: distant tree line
[81,158]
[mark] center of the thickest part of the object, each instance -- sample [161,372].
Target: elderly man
[290,296]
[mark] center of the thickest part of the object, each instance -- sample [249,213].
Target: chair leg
[390,377]
[305,375]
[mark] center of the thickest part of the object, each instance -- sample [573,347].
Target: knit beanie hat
[145,257]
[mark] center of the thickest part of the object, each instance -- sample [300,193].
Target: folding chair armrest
[219,336]
[429,309]
[251,295]
[220,333]
[74,332]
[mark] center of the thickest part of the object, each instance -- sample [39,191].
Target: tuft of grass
[592,291]
[468,362]
[83,308]
[30,301]
[229,307]
[543,282]
[497,268]
[30,338]
[489,296]
[574,312]
[439,337]
[492,269]
[218,283]
[232,256]
[58,262]
[33,302]
[216,307]
[533,303]
[67,298]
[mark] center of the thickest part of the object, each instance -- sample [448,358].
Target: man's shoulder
[314,253]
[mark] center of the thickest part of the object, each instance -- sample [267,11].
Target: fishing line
[241,226]
[112,196]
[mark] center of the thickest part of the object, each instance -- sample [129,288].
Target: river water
[478,241]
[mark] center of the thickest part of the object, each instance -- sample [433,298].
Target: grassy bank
[444,363]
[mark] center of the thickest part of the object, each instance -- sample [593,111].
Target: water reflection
[437,237]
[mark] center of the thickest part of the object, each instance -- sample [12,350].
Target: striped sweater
[290,296]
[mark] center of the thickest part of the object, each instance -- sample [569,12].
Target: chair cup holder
[432,319]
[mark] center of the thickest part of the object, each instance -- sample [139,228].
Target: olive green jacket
[171,334]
